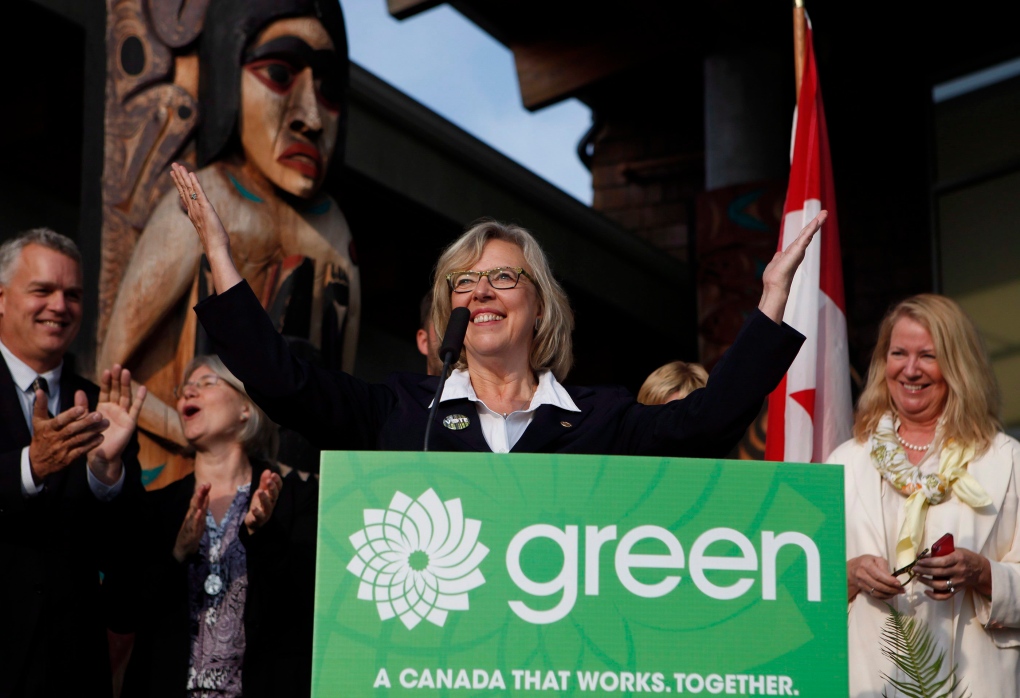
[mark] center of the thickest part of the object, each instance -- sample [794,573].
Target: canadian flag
[810,413]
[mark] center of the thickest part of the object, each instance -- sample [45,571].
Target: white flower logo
[418,558]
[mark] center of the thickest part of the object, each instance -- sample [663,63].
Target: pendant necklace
[214,581]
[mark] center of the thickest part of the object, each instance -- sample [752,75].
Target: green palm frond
[909,644]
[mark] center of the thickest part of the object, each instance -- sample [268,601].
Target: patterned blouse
[217,588]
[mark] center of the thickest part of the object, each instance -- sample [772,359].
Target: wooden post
[799,34]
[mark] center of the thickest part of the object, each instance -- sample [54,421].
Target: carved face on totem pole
[290,105]
[282,105]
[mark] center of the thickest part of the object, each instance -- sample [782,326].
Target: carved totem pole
[253,93]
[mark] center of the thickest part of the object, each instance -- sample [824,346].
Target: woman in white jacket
[929,458]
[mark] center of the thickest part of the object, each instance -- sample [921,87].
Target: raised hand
[263,501]
[214,237]
[201,213]
[190,535]
[59,441]
[778,275]
[120,410]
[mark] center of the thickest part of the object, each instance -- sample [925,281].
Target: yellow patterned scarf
[922,491]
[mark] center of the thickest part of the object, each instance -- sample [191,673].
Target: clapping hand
[120,412]
[263,501]
[190,535]
[59,441]
[778,275]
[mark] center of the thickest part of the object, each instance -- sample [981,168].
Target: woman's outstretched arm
[778,275]
[215,241]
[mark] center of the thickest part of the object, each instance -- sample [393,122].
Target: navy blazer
[337,411]
[53,549]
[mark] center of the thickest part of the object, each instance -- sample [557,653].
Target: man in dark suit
[69,477]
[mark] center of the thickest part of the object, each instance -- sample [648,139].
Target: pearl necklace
[912,447]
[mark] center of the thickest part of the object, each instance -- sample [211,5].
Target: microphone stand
[449,350]
[447,360]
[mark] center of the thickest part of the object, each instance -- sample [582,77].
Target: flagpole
[799,34]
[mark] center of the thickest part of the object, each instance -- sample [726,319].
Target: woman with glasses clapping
[228,559]
[505,392]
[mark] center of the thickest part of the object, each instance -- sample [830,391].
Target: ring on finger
[194,195]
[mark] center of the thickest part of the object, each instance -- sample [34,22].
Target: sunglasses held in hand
[943,546]
[910,568]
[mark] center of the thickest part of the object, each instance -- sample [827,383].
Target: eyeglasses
[909,569]
[199,385]
[500,278]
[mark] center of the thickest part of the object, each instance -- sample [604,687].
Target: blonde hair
[552,347]
[259,435]
[972,402]
[673,377]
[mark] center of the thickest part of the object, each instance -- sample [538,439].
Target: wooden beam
[551,71]
[402,9]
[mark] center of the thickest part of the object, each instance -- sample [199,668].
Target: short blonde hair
[971,414]
[259,436]
[552,347]
[666,380]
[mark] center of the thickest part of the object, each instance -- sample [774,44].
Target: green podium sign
[483,574]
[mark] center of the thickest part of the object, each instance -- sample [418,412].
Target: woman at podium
[506,391]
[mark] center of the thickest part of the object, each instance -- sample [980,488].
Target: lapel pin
[456,422]
[566,424]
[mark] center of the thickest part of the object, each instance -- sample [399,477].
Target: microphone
[453,339]
[449,351]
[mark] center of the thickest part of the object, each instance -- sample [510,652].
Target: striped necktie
[41,383]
